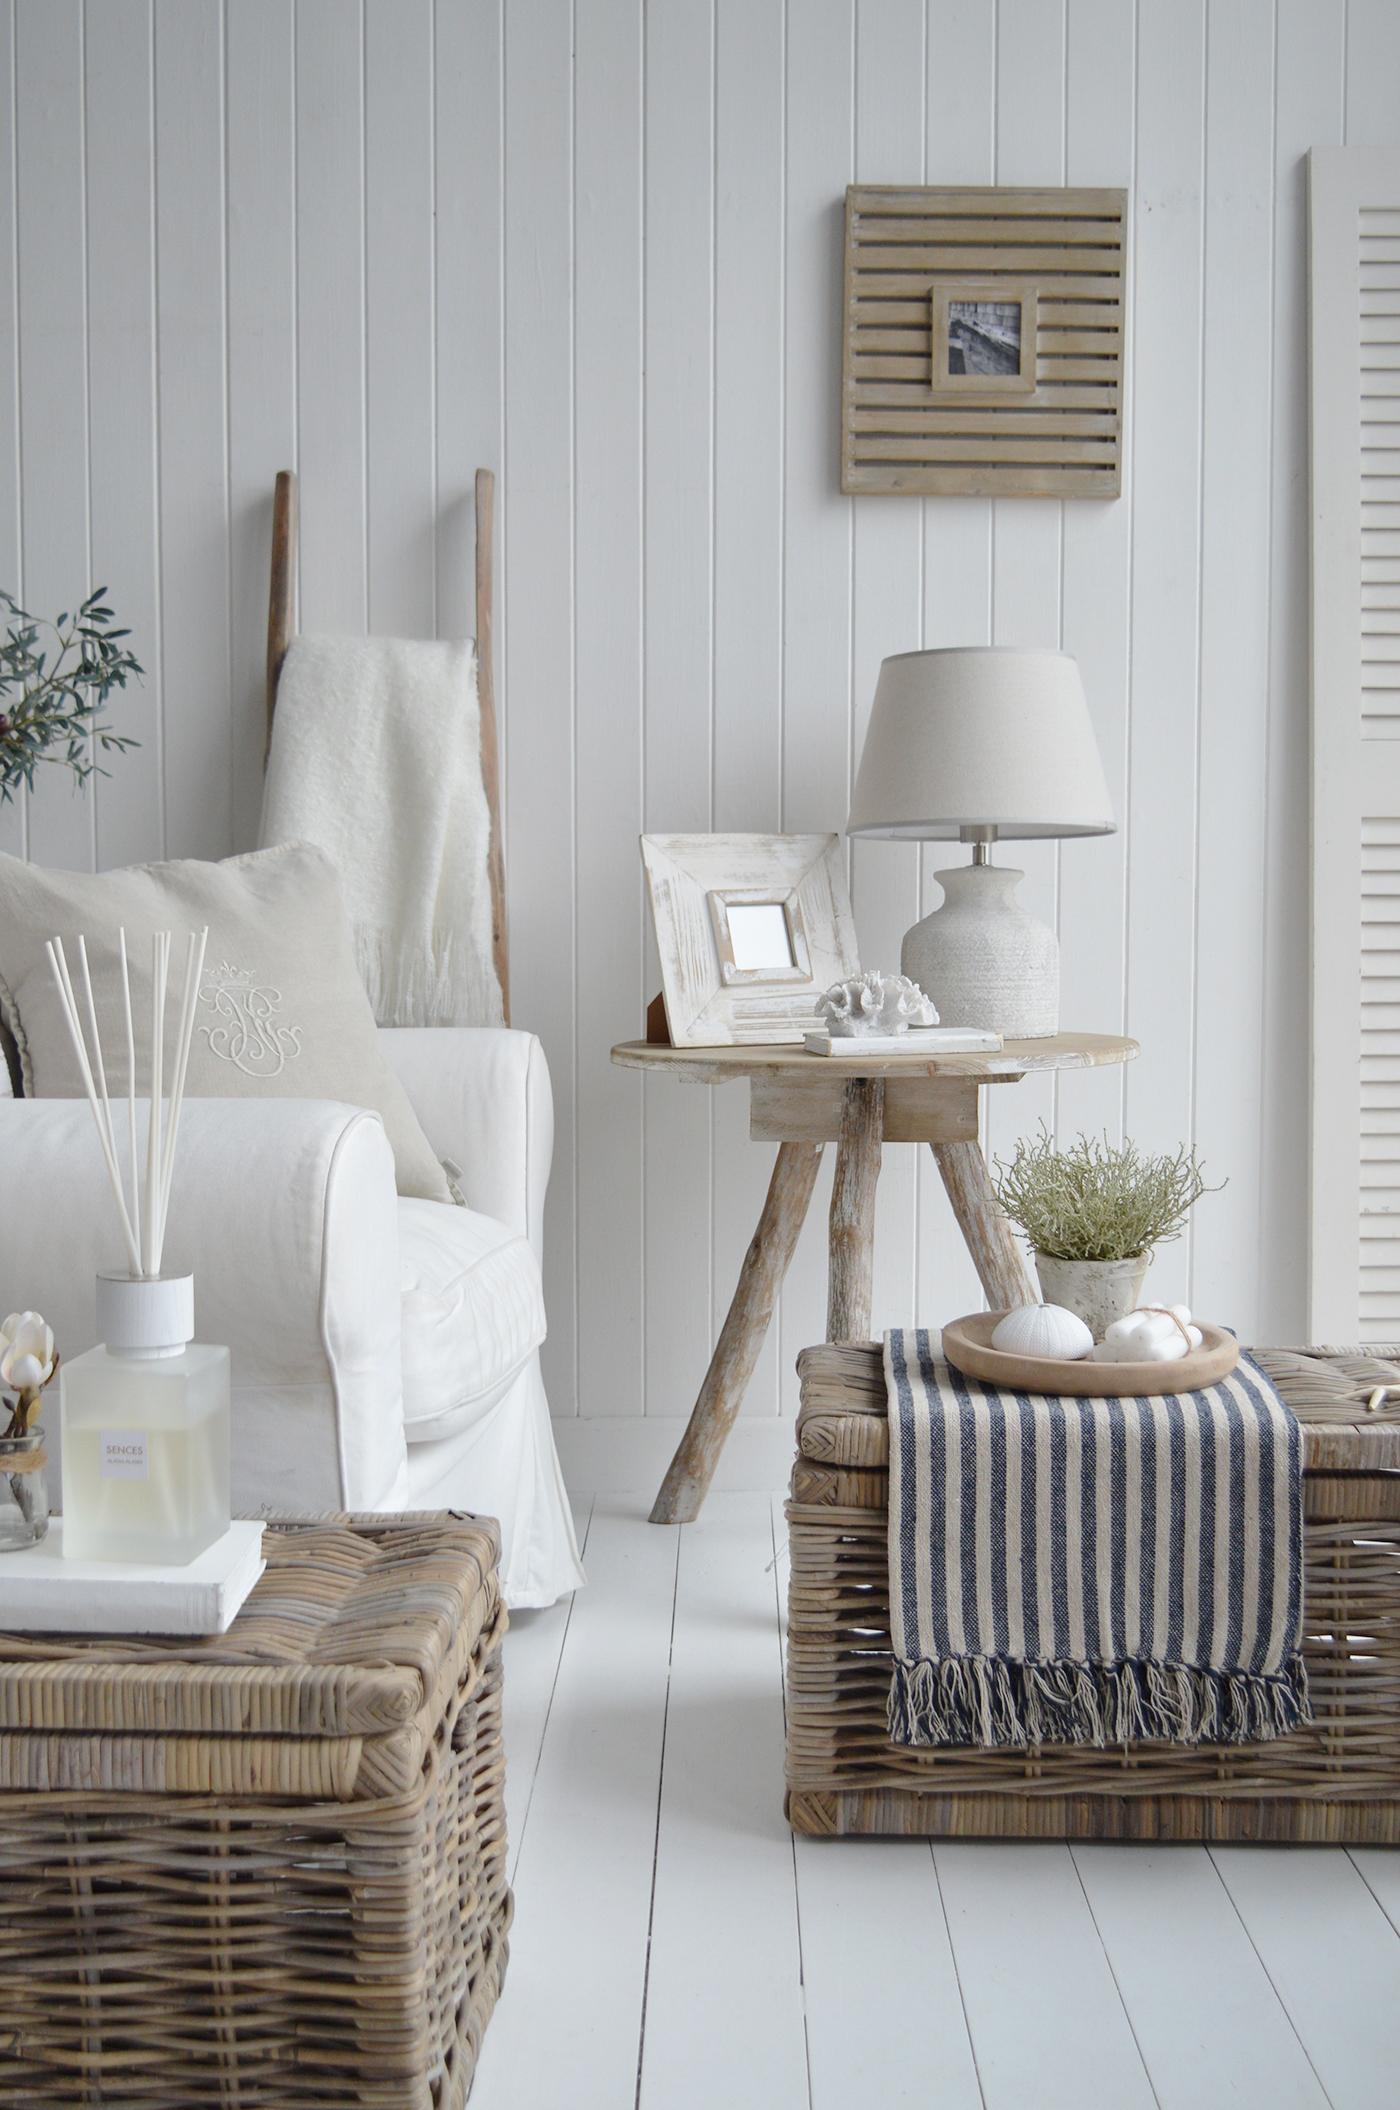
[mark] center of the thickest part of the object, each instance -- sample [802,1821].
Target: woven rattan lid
[328,1683]
[842,1420]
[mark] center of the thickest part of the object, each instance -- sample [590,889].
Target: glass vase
[24,1491]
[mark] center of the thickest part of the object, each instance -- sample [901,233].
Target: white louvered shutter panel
[1354,1229]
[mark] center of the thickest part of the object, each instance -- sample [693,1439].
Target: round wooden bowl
[967,1345]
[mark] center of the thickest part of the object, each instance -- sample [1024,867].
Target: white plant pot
[1097,1291]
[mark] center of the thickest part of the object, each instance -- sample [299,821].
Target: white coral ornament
[1043,1330]
[874,1003]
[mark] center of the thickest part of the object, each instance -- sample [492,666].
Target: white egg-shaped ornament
[1044,1330]
[1152,1334]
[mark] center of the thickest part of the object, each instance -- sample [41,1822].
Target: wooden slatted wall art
[1049,423]
[1354,1112]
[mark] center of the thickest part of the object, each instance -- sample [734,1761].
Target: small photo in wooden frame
[751,930]
[984,337]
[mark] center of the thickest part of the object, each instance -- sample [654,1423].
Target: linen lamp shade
[980,737]
[975,743]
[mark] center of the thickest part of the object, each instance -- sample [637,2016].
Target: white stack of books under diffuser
[43,1593]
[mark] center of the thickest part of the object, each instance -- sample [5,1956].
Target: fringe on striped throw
[988,1701]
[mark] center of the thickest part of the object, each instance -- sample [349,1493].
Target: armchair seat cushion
[473,1315]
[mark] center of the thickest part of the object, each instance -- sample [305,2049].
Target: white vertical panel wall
[597,247]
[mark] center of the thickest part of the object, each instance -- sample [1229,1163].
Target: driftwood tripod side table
[859,1102]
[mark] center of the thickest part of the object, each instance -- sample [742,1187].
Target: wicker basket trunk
[1336,1781]
[322,1920]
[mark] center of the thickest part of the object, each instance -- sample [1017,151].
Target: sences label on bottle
[123,1454]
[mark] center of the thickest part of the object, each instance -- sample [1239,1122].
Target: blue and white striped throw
[1091,1571]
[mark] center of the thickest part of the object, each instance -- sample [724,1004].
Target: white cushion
[282,1012]
[473,1314]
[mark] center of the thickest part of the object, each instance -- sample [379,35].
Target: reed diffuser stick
[143,1227]
[130,1082]
[160,954]
[59,964]
[194,969]
[96,1038]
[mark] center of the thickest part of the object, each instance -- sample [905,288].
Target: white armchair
[385,1352]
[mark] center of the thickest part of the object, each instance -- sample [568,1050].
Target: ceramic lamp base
[983,960]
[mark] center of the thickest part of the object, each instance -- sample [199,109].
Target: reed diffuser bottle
[145,1416]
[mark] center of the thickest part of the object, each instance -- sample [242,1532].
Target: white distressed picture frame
[694,881]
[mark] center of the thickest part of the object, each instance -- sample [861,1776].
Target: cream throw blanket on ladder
[376,758]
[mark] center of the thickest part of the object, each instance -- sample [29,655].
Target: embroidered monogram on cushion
[248,1033]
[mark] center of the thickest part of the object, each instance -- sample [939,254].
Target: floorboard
[1208,2022]
[1379,1869]
[675,1948]
[724,2001]
[532,1650]
[567,2030]
[1048,2027]
[875,1949]
[871,1915]
[1334,1962]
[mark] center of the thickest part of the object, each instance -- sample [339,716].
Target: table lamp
[973,744]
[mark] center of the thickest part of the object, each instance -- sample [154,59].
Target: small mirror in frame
[751,930]
[759,939]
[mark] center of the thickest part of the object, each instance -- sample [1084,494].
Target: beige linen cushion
[282,1012]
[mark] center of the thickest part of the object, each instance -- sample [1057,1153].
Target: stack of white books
[42,1593]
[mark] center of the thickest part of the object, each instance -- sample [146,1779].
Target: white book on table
[918,1040]
[42,1593]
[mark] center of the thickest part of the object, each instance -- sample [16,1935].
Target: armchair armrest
[286,1212]
[483,1096]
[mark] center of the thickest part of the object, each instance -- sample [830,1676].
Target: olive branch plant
[55,679]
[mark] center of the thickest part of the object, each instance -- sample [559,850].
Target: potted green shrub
[1094,1215]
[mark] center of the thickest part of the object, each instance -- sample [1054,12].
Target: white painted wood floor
[675,1948]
